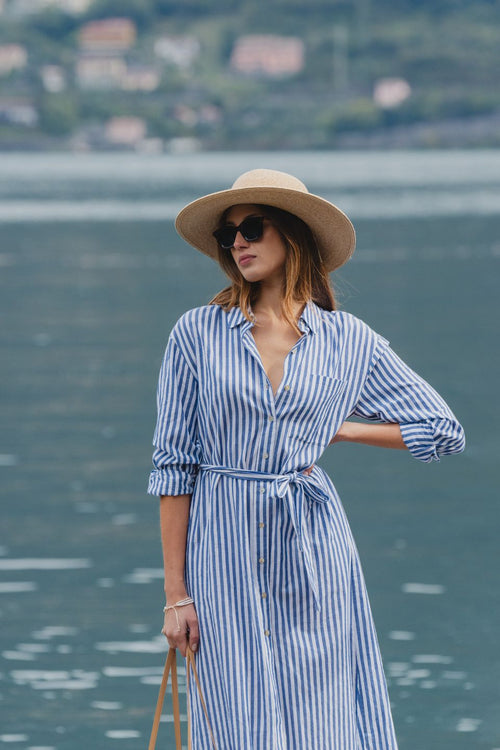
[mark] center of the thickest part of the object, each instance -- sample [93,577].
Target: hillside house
[100,73]
[125,131]
[140,78]
[12,57]
[180,51]
[390,93]
[107,35]
[18,112]
[53,78]
[268,55]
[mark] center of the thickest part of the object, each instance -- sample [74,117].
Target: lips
[244,259]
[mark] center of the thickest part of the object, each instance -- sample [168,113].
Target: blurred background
[113,115]
[227,74]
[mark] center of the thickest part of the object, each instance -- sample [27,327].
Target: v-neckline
[261,362]
[253,346]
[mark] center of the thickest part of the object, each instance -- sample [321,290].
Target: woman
[261,570]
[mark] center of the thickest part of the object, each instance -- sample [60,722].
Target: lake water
[92,278]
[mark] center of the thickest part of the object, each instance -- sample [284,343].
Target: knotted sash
[296,489]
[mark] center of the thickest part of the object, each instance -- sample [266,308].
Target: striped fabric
[288,655]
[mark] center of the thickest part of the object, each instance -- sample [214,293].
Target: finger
[178,642]
[182,644]
[179,638]
[194,634]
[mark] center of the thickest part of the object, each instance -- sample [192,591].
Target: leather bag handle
[171,668]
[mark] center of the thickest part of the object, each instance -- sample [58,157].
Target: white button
[261,560]
[266,455]
[267,632]
[287,387]
[264,595]
[261,525]
[262,490]
[271,419]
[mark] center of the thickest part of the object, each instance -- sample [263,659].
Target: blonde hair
[305,275]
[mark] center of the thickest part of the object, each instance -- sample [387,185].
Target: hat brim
[331,228]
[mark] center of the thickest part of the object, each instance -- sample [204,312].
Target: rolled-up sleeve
[177,450]
[393,392]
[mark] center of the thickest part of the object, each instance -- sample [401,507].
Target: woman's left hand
[308,470]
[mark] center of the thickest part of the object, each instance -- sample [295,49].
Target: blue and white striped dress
[288,656]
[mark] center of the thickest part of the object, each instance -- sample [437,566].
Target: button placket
[270,423]
[263,554]
[288,369]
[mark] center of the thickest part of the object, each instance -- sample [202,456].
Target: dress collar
[310,318]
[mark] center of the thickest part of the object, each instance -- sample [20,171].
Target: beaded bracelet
[181,603]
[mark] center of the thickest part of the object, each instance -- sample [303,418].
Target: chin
[251,277]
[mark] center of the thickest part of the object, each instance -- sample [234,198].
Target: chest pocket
[317,409]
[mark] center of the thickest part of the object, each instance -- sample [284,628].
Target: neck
[268,304]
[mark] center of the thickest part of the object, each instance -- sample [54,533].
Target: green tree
[58,114]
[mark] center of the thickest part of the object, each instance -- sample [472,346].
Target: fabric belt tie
[306,489]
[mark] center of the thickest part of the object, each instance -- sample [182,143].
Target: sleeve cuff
[172,481]
[419,439]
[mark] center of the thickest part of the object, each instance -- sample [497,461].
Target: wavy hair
[305,275]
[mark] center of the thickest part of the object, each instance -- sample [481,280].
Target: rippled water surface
[92,277]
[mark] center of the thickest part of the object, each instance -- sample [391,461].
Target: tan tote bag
[171,667]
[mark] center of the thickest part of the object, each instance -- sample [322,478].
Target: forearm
[174,517]
[386,435]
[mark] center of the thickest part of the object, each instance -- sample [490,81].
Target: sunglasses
[251,229]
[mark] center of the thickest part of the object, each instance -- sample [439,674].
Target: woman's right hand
[189,630]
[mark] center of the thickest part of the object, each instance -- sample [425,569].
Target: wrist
[351,431]
[175,595]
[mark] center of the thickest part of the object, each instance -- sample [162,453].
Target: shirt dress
[288,656]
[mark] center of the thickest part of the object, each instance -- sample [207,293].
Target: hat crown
[268,178]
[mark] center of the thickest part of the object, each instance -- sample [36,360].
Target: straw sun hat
[332,230]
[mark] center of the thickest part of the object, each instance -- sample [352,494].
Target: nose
[239,241]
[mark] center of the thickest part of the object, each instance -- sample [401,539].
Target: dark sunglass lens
[226,236]
[252,228]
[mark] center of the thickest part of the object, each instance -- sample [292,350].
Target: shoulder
[349,325]
[195,327]
[355,339]
[185,337]
[196,320]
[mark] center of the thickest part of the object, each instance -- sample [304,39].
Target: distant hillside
[335,73]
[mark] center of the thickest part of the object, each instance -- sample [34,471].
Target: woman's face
[263,260]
